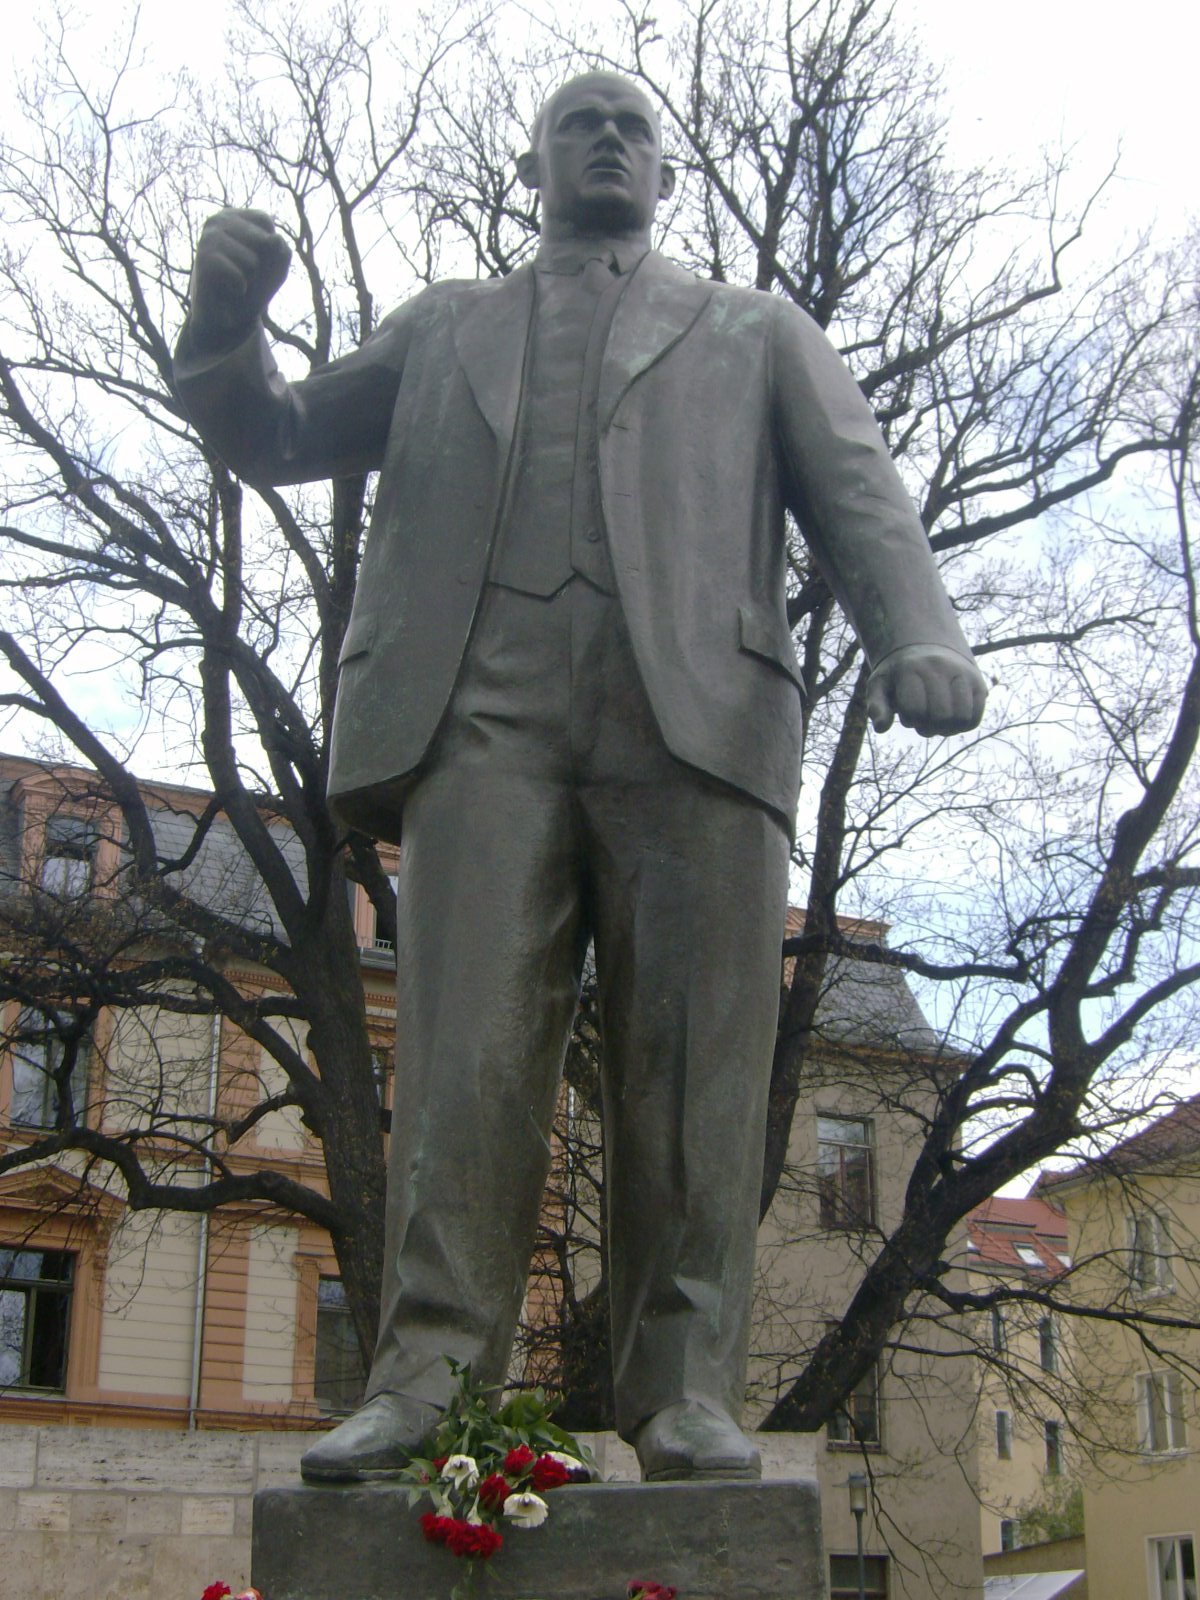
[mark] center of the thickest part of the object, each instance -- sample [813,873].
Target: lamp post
[856,1483]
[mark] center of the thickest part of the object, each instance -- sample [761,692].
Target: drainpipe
[214,1067]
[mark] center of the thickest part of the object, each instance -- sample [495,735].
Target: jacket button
[591,535]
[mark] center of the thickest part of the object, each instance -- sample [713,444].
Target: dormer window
[69,857]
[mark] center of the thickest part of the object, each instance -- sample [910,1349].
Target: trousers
[549,812]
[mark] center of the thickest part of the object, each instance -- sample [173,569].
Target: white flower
[461,1471]
[572,1463]
[527,1510]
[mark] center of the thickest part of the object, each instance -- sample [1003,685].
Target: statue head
[595,158]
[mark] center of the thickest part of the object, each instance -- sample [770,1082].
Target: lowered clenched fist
[929,687]
[240,262]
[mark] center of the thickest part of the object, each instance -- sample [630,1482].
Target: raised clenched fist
[240,262]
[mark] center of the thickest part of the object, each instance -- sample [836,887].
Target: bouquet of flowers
[489,1472]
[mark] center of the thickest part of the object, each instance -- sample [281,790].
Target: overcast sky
[1021,75]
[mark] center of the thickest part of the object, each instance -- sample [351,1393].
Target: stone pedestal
[711,1541]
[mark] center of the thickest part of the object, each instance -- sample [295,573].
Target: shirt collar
[567,256]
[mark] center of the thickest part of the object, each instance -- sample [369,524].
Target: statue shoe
[382,1436]
[689,1440]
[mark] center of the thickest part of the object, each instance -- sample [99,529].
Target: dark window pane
[35,1305]
[48,1340]
[340,1377]
[844,1176]
[843,1577]
[857,1422]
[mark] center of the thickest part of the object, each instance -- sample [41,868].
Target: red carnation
[549,1473]
[216,1591]
[494,1491]
[472,1539]
[649,1591]
[436,1529]
[517,1462]
[439,1462]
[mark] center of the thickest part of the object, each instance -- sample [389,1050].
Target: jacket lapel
[490,336]
[657,308]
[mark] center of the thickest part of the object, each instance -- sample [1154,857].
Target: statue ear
[527,169]
[666,181]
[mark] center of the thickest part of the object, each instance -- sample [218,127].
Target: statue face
[598,163]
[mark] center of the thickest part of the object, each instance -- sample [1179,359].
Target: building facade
[1134,1225]
[1026,1366]
[235,1320]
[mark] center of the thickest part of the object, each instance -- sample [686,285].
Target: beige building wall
[149,1309]
[1133,1494]
[1020,1387]
[925,1516]
[272,1309]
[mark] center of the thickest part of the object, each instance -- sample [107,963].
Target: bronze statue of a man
[569,671]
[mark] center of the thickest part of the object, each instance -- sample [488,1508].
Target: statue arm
[333,423]
[866,537]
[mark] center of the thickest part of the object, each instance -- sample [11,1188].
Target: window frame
[1048,1354]
[998,1332]
[839,1210]
[323,1317]
[1175,1541]
[1168,1385]
[1052,1438]
[36,1289]
[1158,1251]
[843,1430]
[876,1571]
[1004,1435]
[74,840]
[34,1035]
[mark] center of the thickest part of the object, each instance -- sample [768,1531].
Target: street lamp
[856,1483]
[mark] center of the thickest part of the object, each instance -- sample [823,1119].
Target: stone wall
[127,1514]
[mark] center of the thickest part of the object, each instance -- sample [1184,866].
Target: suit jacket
[718,408]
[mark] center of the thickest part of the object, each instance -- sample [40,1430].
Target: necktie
[597,273]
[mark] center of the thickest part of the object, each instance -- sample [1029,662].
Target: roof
[1020,1236]
[867,1003]
[1030,1585]
[1167,1141]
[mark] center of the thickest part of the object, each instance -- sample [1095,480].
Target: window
[1048,1345]
[843,1577]
[1174,1563]
[999,1331]
[1003,1436]
[49,1071]
[68,858]
[35,1307]
[340,1379]
[1029,1256]
[844,1172]
[1053,1436]
[1008,1533]
[858,1420]
[378,941]
[1163,1426]
[381,1070]
[1150,1253]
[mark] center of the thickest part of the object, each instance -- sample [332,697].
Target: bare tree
[1042,874]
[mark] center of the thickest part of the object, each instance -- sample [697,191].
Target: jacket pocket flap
[360,636]
[763,634]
